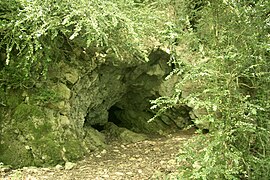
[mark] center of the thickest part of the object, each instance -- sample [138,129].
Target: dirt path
[150,159]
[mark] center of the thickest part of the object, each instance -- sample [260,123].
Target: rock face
[63,118]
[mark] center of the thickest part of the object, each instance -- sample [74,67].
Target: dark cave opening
[98,127]
[114,112]
[113,116]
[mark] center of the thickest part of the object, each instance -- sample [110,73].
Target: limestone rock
[181,122]
[167,87]
[62,106]
[93,137]
[123,134]
[59,167]
[97,117]
[196,114]
[68,73]
[85,92]
[62,90]
[156,70]
[187,89]
[69,165]
[128,136]
[72,76]
[64,121]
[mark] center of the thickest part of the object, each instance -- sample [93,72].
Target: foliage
[225,54]
[36,33]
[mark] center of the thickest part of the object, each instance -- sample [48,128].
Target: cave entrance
[125,98]
[98,127]
[114,116]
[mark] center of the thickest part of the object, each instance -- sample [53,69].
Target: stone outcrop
[64,117]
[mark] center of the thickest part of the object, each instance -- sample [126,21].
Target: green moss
[47,151]
[46,95]
[94,137]
[29,139]
[14,153]
[137,121]
[40,145]
[30,119]
[24,111]
[44,151]
[11,99]
[74,150]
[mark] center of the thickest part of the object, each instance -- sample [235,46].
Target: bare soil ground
[151,159]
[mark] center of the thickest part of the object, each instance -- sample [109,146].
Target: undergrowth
[222,50]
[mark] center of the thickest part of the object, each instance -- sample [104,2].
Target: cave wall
[54,121]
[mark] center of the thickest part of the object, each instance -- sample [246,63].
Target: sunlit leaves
[38,32]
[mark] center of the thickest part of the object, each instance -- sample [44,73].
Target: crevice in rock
[98,127]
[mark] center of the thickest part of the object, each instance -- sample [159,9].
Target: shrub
[225,53]
[36,33]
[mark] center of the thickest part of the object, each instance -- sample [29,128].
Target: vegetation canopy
[37,33]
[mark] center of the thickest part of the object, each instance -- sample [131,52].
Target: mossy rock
[30,139]
[122,134]
[47,151]
[15,154]
[137,121]
[26,132]
[24,112]
[73,149]
[127,136]
[42,152]
[94,139]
